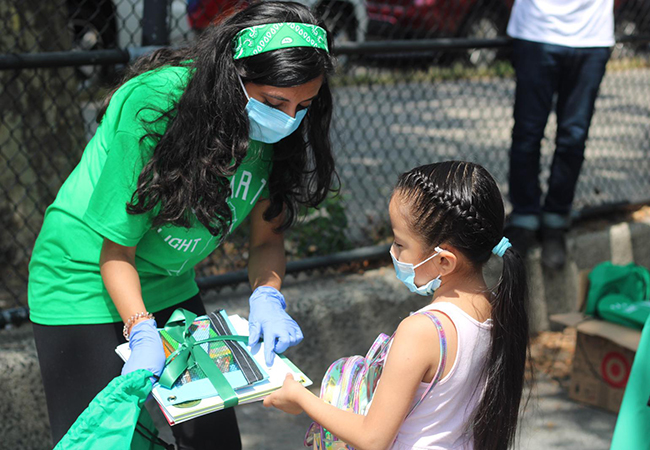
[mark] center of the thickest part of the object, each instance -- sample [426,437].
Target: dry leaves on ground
[551,354]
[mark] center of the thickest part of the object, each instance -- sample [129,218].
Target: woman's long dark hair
[207,137]
[459,203]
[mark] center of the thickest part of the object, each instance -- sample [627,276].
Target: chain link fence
[418,81]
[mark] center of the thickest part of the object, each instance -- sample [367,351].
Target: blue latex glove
[267,318]
[146,349]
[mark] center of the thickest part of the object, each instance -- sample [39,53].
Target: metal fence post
[154,23]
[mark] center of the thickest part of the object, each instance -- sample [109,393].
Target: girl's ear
[447,262]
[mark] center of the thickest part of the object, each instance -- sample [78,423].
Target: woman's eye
[301,107]
[266,102]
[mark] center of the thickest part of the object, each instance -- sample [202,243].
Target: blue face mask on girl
[267,124]
[406,274]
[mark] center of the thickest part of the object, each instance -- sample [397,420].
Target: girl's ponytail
[495,420]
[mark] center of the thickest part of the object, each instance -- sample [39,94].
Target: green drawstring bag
[115,418]
[619,294]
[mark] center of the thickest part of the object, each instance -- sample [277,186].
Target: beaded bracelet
[126,331]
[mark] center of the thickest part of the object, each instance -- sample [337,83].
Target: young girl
[447,221]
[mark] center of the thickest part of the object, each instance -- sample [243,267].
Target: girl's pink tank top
[440,421]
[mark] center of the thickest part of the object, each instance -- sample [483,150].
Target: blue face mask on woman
[406,274]
[268,124]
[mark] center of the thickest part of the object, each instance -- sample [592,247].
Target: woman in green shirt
[191,143]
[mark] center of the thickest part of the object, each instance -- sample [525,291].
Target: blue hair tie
[503,245]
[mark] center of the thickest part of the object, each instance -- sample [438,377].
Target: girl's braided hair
[459,204]
[455,202]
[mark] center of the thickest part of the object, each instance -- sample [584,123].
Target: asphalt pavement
[391,124]
[551,422]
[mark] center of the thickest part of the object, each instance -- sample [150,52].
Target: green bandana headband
[264,38]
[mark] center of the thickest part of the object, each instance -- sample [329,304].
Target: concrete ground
[553,421]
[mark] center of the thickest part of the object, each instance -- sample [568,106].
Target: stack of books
[192,395]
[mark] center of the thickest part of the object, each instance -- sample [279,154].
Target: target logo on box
[615,369]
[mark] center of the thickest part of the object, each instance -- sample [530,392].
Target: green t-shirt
[65,284]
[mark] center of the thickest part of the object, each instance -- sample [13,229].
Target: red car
[421,19]
[461,18]
[478,19]
[405,19]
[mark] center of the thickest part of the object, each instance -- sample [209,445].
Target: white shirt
[572,23]
[440,421]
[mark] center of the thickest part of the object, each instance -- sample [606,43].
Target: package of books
[209,366]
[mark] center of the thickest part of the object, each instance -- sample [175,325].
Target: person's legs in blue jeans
[537,68]
[582,71]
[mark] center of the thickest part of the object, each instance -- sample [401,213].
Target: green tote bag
[619,294]
[116,419]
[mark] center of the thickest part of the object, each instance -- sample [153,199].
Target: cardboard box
[603,356]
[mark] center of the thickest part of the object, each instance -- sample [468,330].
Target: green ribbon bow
[190,353]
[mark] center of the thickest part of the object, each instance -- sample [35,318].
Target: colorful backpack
[350,384]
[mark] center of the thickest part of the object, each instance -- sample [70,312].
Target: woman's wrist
[133,320]
[269,284]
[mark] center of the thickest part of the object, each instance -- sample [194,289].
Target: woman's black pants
[78,361]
